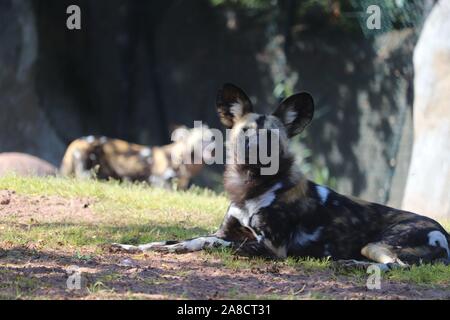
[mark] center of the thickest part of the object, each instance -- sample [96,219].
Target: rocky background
[136,68]
[428,183]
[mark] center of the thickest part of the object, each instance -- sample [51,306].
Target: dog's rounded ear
[232,104]
[296,112]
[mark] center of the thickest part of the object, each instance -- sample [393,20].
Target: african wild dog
[286,215]
[106,158]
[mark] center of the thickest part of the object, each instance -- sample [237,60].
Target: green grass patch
[309,264]
[129,196]
[123,212]
[234,262]
[427,274]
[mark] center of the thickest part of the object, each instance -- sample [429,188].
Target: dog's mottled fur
[106,158]
[287,215]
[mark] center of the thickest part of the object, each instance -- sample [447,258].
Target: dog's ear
[296,112]
[232,104]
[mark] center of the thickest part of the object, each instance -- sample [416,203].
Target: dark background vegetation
[139,67]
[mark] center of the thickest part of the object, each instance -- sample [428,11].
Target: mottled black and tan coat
[287,215]
[107,158]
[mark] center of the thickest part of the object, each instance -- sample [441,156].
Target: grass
[129,213]
[234,262]
[17,286]
[136,213]
[309,264]
[436,274]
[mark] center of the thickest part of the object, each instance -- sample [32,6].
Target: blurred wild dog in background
[161,166]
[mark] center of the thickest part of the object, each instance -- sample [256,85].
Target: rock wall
[23,124]
[138,67]
[363,91]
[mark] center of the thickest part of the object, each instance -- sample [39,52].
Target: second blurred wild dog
[105,158]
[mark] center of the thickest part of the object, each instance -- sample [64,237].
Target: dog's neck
[243,182]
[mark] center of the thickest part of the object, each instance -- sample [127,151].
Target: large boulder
[428,185]
[25,164]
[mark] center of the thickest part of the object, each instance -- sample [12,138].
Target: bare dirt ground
[34,271]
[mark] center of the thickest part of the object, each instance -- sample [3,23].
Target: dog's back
[107,158]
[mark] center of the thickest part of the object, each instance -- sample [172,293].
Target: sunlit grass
[136,213]
[438,274]
[129,213]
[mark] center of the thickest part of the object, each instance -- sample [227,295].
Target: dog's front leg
[185,246]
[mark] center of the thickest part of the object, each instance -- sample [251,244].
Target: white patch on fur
[254,205]
[127,247]
[437,238]
[258,237]
[290,116]
[323,193]
[384,258]
[90,139]
[77,154]
[145,152]
[196,244]
[236,109]
[244,219]
[239,214]
[205,242]
[149,246]
[169,173]
[303,238]
[103,139]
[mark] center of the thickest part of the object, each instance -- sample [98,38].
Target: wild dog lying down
[282,215]
[113,158]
